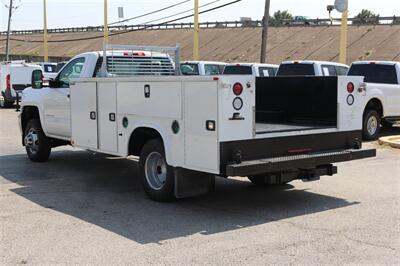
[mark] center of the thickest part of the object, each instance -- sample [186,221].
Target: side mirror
[37,79]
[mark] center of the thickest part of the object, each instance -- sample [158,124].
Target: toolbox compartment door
[84,115]
[201,144]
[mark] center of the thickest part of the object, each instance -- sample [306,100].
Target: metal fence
[221,24]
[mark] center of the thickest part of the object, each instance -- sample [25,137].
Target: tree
[279,16]
[366,17]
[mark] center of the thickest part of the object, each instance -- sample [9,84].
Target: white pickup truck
[311,68]
[382,89]
[255,69]
[188,129]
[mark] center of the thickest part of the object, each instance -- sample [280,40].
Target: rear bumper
[304,161]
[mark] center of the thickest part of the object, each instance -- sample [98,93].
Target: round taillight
[237,89]
[350,87]
[237,103]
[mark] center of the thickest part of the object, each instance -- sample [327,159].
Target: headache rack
[133,60]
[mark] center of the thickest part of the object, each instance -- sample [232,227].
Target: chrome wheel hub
[31,140]
[372,125]
[156,170]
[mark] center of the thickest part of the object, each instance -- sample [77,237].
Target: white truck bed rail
[132,60]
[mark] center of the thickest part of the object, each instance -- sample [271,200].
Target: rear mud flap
[192,183]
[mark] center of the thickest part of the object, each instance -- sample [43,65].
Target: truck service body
[188,129]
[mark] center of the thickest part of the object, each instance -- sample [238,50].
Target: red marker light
[237,89]
[8,82]
[350,87]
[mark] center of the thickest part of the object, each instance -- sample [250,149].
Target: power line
[151,13]
[180,13]
[132,30]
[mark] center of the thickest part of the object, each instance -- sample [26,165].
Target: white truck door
[201,143]
[57,102]
[107,109]
[84,115]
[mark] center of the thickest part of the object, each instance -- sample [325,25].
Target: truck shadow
[106,192]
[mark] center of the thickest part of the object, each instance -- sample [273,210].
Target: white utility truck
[255,69]
[382,101]
[312,68]
[202,68]
[188,129]
[15,76]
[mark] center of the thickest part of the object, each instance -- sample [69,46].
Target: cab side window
[329,70]
[211,70]
[341,71]
[72,70]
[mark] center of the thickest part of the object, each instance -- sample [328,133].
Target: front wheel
[371,125]
[37,145]
[157,176]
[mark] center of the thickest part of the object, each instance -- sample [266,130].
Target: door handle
[68,96]
[111,117]
[93,115]
[147,91]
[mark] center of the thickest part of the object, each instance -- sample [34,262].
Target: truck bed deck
[262,128]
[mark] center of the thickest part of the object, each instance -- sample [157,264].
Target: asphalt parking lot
[84,208]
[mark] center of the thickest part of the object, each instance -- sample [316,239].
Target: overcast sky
[73,13]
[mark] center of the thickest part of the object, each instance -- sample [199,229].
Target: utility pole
[8,31]
[45,45]
[263,58]
[196,53]
[105,22]
[343,39]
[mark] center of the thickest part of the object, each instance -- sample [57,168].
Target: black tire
[162,191]
[40,151]
[372,119]
[4,103]
[260,181]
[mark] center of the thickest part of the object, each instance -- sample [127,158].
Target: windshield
[375,73]
[190,69]
[296,70]
[238,70]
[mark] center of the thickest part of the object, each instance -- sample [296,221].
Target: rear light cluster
[350,90]
[237,102]
[8,82]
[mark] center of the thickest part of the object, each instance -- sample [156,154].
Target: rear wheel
[371,125]
[156,175]
[37,145]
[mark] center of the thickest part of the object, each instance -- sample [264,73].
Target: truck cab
[311,68]
[254,69]
[382,89]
